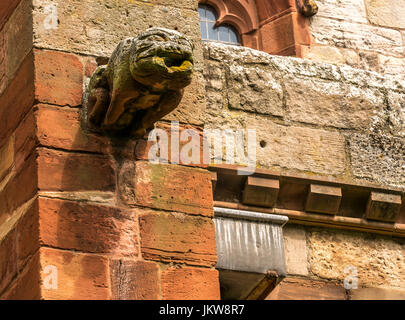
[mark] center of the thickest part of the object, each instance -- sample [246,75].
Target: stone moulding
[316,201]
[143,81]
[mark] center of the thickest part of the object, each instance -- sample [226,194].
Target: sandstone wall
[310,117]
[83,216]
[118,227]
[362,33]
[319,119]
[18,183]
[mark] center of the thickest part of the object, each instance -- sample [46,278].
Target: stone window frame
[279,27]
[227,27]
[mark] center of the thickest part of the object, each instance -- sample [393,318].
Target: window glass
[224,33]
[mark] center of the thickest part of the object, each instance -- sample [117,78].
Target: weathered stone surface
[168,187]
[190,284]
[3,60]
[333,104]
[356,36]
[25,140]
[348,10]
[331,55]
[19,34]
[78,276]
[96,27]
[377,294]
[303,289]
[383,206]
[27,235]
[19,97]
[391,65]
[323,199]
[63,171]
[254,89]
[144,148]
[369,61]
[298,148]
[378,260]
[378,157]
[8,259]
[88,228]
[59,78]
[27,285]
[134,280]
[280,146]
[387,13]
[61,128]
[191,109]
[295,250]
[261,192]
[217,54]
[6,157]
[396,102]
[19,189]
[175,237]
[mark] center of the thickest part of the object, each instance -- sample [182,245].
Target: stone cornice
[312,200]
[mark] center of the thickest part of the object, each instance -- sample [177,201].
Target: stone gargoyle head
[142,82]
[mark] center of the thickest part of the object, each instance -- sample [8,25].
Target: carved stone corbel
[142,82]
[308,8]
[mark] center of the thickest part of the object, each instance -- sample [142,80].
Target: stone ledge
[293,196]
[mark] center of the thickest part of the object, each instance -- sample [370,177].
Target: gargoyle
[308,8]
[142,82]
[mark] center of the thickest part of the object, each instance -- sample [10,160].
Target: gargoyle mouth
[176,62]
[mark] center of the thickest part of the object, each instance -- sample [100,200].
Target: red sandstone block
[284,33]
[27,235]
[17,99]
[88,228]
[186,149]
[6,10]
[134,280]
[61,128]
[68,275]
[270,8]
[169,187]
[63,171]
[190,284]
[25,140]
[176,237]
[8,259]
[21,188]
[58,78]
[90,66]
[27,285]
[6,157]
[3,60]
[306,289]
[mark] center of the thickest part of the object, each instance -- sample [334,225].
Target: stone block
[375,260]
[386,13]
[261,192]
[323,199]
[190,284]
[180,238]
[383,206]
[134,280]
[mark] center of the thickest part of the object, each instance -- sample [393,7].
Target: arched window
[224,33]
